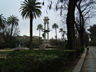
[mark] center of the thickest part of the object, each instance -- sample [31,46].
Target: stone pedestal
[44,45]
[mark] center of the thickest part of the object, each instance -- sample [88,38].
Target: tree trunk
[61,35]
[70,24]
[31,31]
[82,23]
[11,30]
[39,36]
[56,33]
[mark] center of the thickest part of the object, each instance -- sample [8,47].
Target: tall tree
[13,21]
[31,9]
[70,24]
[70,20]
[8,32]
[92,31]
[55,26]
[62,33]
[2,26]
[84,12]
[2,19]
[40,28]
[61,30]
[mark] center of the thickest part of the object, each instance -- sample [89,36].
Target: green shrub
[58,43]
[37,61]
[1,63]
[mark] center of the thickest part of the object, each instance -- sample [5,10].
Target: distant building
[27,38]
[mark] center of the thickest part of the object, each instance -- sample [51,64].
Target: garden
[38,61]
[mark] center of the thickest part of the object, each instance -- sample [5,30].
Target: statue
[43,35]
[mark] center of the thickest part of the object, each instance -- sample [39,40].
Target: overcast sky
[12,7]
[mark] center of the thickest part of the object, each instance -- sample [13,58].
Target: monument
[46,33]
[46,28]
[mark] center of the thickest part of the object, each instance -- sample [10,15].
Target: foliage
[1,64]
[37,61]
[13,21]
[92,31]
[78,12]
[30,6]
[40,27]
[2,20]
[62,33]
[30,9]
[59,44]
[25,42]
[10,43]
[55,26]
[9,32]
[83,13]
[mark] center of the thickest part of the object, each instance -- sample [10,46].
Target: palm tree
[61,30]
[2,19]
[70,21]
[40,28]
[13,21]
[62,33]
[55,26]
[30,9]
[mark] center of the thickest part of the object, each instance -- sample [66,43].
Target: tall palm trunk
[11,31]
[56,33]
[39,36]
[70,24]
[61,35]
[31,31]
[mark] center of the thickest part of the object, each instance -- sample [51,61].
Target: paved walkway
[90,61]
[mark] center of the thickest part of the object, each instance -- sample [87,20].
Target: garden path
[90,61]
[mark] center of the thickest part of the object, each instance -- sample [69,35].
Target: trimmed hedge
[37,61]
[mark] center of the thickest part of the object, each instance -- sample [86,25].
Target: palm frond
[30,6]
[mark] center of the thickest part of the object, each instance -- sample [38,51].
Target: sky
[12,7]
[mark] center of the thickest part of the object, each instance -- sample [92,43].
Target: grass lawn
[37,60]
